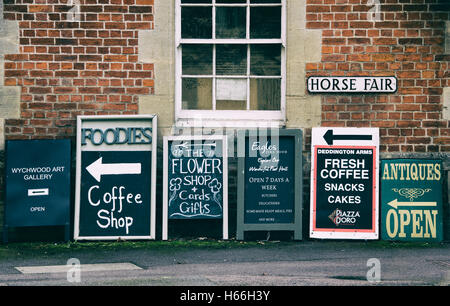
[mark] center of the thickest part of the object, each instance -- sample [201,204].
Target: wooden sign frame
[296,226]
[165,213]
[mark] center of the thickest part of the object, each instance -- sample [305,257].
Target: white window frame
[244,118]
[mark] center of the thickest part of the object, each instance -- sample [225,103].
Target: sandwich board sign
[116,177]
[344,183]
[411,200]
[195,179]
[37,184]
[269,181]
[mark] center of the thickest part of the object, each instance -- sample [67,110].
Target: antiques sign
[411,200]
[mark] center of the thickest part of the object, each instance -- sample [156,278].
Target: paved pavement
[308,263]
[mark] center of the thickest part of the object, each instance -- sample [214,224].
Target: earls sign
[269,181]
[116,173]
[320,84]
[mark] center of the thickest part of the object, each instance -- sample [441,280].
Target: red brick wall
[67,67]
[408,42]
[91,66]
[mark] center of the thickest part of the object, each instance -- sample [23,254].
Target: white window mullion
[248,77]
[247,23]
[283,23]
[214,82]
[214,79]
[247,37]
[230,41]
[283,82]
[214,19]
[178,24]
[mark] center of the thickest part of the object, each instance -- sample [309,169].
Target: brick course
[407,42]
[80,66]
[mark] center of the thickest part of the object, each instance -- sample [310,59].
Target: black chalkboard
[269,181]
[344,198]
[195,178]
[344,183]
[117,205]
[37,183]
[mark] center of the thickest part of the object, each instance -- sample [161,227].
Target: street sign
[344,183]
[354,84]
[411,200]
[116,177]
[269,182]
[37,183]
[195,179]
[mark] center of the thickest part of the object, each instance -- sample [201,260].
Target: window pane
[265,22]
[196,22]
[231,59]
[231,1]
[230,22]
[265,94]
[196,94]
[265,59]
[231,89]
[231,94]
[197,59]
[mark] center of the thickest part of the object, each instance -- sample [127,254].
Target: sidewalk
[211,263]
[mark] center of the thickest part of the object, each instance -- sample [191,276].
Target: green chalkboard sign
[37,184]
[411,200]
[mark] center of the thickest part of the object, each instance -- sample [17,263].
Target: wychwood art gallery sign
[344,183]
[411,200]
[116,177]
[195,179]
[269,181]
[37,184]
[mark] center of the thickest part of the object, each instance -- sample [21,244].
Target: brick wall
[73,64]
[407,42]
[90,66]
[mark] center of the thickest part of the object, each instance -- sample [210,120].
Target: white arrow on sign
[395,203]
[186,145]
[98,168]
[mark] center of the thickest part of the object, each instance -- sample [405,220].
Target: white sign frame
[353,84]
[80,119]
[165,212]
[317,139]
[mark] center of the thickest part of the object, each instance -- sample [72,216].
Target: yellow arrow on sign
[395,203]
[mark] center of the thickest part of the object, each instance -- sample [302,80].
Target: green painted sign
[411,200]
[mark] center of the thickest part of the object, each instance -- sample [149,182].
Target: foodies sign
[116,177]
